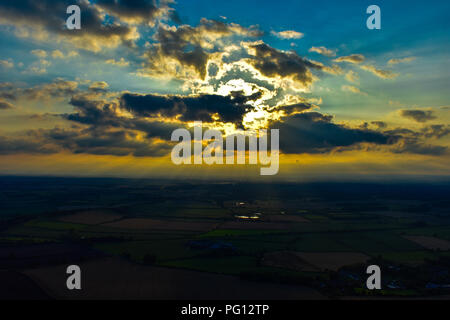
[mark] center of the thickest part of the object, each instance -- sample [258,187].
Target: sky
[350,102]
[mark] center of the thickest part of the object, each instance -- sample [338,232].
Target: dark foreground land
[140,239]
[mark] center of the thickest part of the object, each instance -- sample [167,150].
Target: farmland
[308,240]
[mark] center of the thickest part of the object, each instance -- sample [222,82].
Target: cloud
[291,105]
[140,125]
[7,91]
[107,133]
[186,108]
[135,12]
[183,52]
[99,127]
[72,53]
[39,69]
[352,89]
[379,124]
[352,76]
[402,60]
[28,145]
[108,114]
[313,132]
[323,51]
[4,105]
[107,141]
[288,34]
[59,88]
[99,86]
[410,141]
[334,69]
[156,115]
[406,146]
[383,74]
[418,115]
[354,58]
[6,64]
[275,63]
[97,141]
[436,131]
[39,53]
[45,20]
[57,54]
[94,111]
[121,62]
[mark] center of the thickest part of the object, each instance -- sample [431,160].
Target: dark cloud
[105,142]
[273,63]
[59,88]
[353,58]
[26,144]
[402,132]
[6,85]
[99,86]
[7,91]
[412,146]
[4,105]
[313,132]
[106,114]
[90,140]
[410,141]
[191,46]
[103,114]
[379,124]
[190,108]
[141,125]
[8,95]
[93,112]
[418,115]
[50,16]
[240,97]
[295,108]
[131,10]
[105,130]
[436,131]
